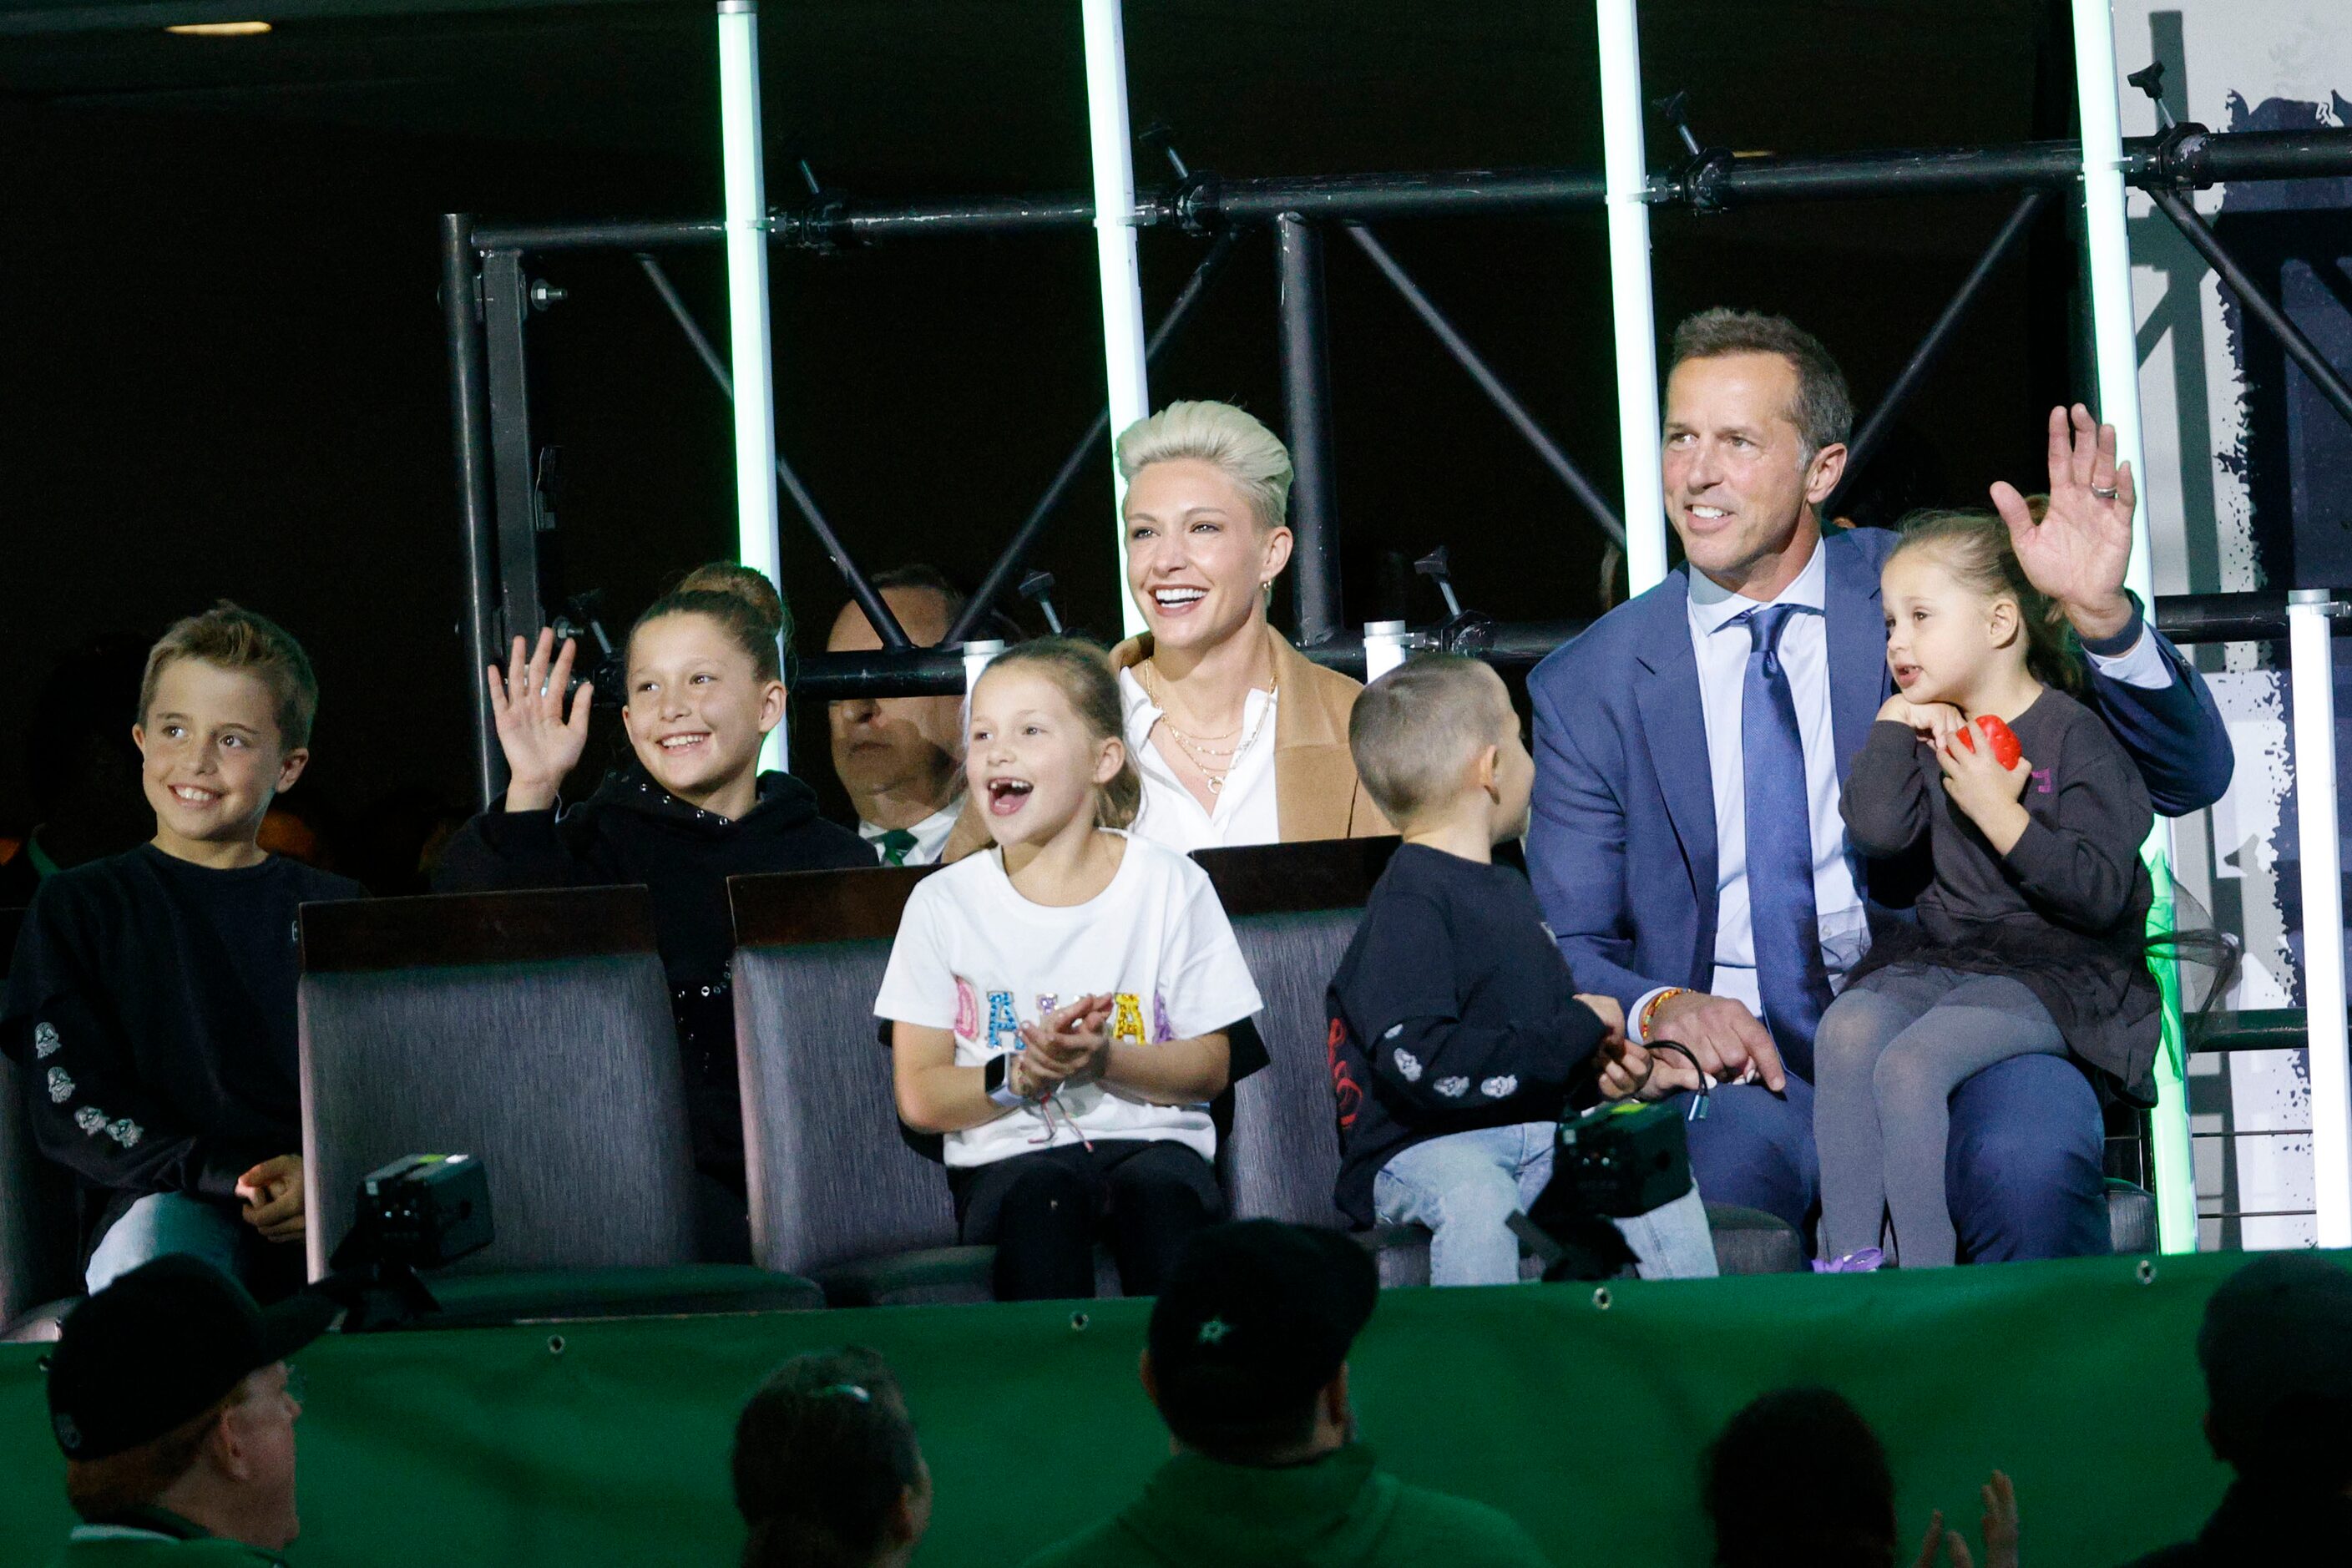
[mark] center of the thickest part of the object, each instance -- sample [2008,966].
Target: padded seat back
[1294,908]
[36,1198]
[530,1029]
[833,1178]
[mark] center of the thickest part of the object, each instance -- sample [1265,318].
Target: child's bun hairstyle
[1975,547]
[1083,672]
[822,1453]
[229,637]
[739,599]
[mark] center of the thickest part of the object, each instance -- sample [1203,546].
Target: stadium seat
[840,1191]
[1294,908]
[533,1031]
[37,1273]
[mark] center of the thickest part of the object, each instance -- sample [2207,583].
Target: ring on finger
[2105,492]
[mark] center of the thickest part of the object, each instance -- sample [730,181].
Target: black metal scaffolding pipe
[469,420]
[1306,409]
[1469,358]
[2185,618]
[1866,441]
[505,308]
[1033,527]
[2256,303]
[878,613]
[703,347]
[2201,158]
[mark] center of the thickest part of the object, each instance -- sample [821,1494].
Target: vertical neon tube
[2313,681]
[1625,164]
[757,542]
[2115,354]
[1113,150]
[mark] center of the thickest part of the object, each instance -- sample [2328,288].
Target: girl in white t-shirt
[1062,1004]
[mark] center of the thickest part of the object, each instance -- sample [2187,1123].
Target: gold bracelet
[1642,1029]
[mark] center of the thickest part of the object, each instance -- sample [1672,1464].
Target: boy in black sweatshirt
[151,1000]
[1456,1033]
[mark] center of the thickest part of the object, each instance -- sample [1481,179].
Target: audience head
[84,775]
[1045,743]
[1960,609]
[1799,1476]
[1247,1352]
[1208,490]
[827,1471]
[2276,1350]
[170,1389]
[224,713]
[706,679]
[1439,732]
[1756,421]
[898,755]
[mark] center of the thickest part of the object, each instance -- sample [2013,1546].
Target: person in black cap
[1247,1361]
[2277,1348]
[170,1393]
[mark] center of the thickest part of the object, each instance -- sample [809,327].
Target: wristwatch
[993,1077]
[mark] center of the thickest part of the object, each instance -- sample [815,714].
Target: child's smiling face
[697,709]
[211,755]
[1030,760]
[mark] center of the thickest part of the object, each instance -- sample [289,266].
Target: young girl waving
[2031,937]
[705,687]
[1062,1003]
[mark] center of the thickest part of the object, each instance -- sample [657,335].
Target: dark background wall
[221,372]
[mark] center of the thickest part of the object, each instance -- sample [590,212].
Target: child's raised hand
[1933,723]
[542,745]
[1983,789]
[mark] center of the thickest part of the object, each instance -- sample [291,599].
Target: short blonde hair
[229,637]
[1415,729]
[1241,447]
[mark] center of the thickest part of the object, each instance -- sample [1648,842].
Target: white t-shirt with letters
[975,958]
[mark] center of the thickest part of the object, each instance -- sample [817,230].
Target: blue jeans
[1465,1186]
[165,1223]
[2021,1171]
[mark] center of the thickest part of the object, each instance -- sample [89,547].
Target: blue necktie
[1786,924]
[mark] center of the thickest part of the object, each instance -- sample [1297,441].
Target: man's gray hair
[1248,453]
[1823,412]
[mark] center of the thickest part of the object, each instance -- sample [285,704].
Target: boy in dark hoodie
[705,688]
[1247,1361]
[1456,1032]
[150,1001]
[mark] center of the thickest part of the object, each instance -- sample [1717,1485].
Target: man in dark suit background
[1686,840]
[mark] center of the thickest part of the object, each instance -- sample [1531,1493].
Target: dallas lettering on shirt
[1002,1032]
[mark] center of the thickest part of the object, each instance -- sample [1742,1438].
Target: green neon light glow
[2175,1174]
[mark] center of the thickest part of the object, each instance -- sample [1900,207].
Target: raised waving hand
[542,743]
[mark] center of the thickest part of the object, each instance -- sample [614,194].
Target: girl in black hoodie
[705,688]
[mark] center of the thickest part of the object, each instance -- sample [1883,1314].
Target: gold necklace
[1198,753]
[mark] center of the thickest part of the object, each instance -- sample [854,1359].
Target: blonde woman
[1239,739]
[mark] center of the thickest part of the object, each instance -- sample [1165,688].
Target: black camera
[426,1210]
[421,1211]
[1610,1162]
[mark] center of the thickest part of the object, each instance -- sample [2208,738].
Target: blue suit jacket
[1621,845]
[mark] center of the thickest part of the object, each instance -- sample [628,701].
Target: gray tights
[1886,1059]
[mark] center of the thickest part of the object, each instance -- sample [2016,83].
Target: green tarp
[608,1445]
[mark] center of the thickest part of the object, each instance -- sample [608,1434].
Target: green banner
[606,1442]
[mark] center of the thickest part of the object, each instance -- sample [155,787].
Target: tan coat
[1316,794]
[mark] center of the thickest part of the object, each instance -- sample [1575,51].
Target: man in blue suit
[1686,842]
